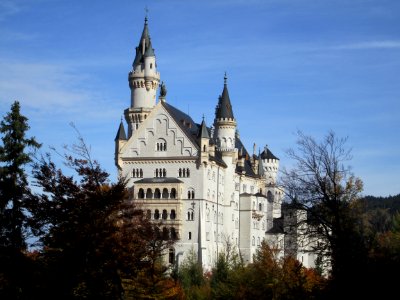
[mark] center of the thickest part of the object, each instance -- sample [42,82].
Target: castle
[196,179]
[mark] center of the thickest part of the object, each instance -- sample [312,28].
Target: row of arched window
[185,172]
[160,173]
[138,173]
[157,194]
[161,146]
[164,215]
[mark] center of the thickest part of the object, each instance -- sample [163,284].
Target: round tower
[143,82]
[224,123]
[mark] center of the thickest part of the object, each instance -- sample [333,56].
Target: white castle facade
[196,179]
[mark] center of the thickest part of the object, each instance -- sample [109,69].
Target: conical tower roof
[224,107]
[203,131]
[121,135]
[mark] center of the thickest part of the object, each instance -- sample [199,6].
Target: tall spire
[224,107]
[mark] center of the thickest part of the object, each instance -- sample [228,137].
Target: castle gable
[162,135]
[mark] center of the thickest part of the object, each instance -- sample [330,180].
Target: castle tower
[143,82]
[204,141]
[225,124]
[270,166]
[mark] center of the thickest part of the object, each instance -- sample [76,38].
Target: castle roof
[224,106]
[203,131]
[121,135]
[267,154]
[143,49]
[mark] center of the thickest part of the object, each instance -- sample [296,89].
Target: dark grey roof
[147,46]
[247,163]
[224,107]
[159,180]
[121,135]
[149,50]
[184,121]
[203,131]
[267,154]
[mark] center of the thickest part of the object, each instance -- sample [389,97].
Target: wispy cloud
[388,44]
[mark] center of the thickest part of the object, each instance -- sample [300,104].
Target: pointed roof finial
[225,78]
[203,117]
[146,10]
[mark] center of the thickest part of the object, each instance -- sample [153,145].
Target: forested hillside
[391,203]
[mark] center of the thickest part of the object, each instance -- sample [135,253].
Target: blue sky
[310,65]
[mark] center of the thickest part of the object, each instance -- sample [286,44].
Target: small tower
[204,141]
[143,82]
[120,141]
[224,123]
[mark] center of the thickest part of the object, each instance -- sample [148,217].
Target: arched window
[187,172]
[165,233]
[156,214]
[270,197]
[161,145]
[174,235]
[156,173]
[171,256]
[157,194]
[164,214]
[165,193]
[172,216]
[204,148]
[180,173]
[189,194]
[149,193]
[190,235]
[148,214]
[190,215]
[192,194]
[259,206]
[173,193]
[164,173]
[141,194]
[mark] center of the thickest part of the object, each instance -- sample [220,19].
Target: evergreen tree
[14,198]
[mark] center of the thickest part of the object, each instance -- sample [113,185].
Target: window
[191,194]
[141,194]
[164,214]
[157,194]
[173,193]
[172,216]
[148,214]
[259,206]
[149,194]
[174,235]
[253,241]
[183,172]
[160,173]
[156,214]
[190,235]
[161,145]
[137,173]
[165,193]
[171,256]
[190,215]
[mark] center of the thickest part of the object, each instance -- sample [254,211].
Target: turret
[270,166]
[203,138]
[143,82]
[225,123]
[120,141]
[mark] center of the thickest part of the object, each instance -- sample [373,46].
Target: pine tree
[13,179]
[14,192]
